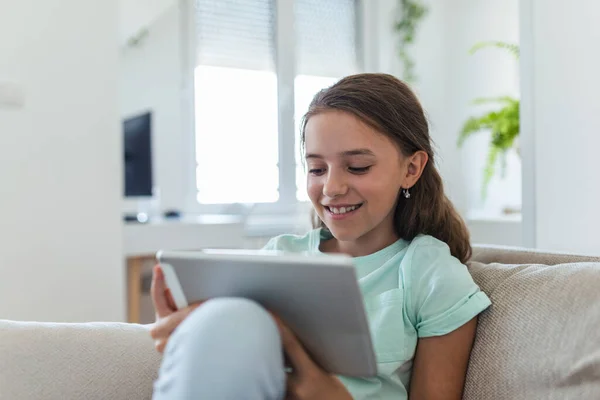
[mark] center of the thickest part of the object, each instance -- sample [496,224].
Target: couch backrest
[517,255]
[540,339]
[93,361]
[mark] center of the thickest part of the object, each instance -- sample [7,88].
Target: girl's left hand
[308,381]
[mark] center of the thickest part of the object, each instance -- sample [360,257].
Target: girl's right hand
[168,317]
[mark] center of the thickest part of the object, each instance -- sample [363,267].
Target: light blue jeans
[227,349]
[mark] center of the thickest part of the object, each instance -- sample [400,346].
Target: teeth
[342,210]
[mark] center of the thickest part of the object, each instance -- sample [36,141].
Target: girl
[377,197]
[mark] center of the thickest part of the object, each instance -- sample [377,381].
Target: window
[236,102]
[253,59]
[326,37]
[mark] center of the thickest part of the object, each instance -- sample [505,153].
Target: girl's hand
[307,380]
[164,305]
[167,316]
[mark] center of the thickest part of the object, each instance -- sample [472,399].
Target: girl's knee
[227,311]
[234,306]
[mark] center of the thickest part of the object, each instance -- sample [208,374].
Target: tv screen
[137,137]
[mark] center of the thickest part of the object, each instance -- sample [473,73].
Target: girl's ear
[416,165]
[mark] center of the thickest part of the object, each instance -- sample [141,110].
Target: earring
[406,193]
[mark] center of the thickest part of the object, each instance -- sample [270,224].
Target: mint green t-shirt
[412,289]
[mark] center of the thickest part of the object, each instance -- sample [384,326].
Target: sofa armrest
[76,361]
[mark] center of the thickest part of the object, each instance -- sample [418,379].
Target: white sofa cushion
[76,361]
[540,339]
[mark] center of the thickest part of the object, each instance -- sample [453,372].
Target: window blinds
[326,37]
[236,33]
[241,34]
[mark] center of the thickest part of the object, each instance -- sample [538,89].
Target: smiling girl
[377,197]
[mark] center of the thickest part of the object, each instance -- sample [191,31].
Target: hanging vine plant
[411,13]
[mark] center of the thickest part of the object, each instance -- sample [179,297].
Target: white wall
[450,78]
[151,78]
[561,104]
[135,15]
[60,163]
[377,40]
[431,67]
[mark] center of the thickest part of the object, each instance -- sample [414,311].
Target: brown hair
[389,106]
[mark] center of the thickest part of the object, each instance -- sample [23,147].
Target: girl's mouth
[342,212]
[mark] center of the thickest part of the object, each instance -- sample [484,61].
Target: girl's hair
[389,106]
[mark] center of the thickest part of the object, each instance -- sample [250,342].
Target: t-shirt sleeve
[289,243]
[443,294]
[271,244]
[283,243]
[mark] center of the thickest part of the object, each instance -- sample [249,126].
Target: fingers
[164,327]
[161,344]
[170,302]
[158,290]
[301,362]
[291,387]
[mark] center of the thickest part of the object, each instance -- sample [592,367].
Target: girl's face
[354,176]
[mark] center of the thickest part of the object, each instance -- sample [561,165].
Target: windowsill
[481,216]
[497,229]
[298,221]
[273,225]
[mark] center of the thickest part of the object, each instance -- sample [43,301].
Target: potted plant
[503,123]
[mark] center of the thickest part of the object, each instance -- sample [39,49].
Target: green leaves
[512,48]
[412,13]
[504,125]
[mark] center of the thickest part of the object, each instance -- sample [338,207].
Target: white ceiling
[135,15]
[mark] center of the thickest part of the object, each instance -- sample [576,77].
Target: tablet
[316,295]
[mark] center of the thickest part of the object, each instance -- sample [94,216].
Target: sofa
[539,340]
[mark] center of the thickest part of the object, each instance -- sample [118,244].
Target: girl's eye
[359,170]
[316,171]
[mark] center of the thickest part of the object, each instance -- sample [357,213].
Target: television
[137,146]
